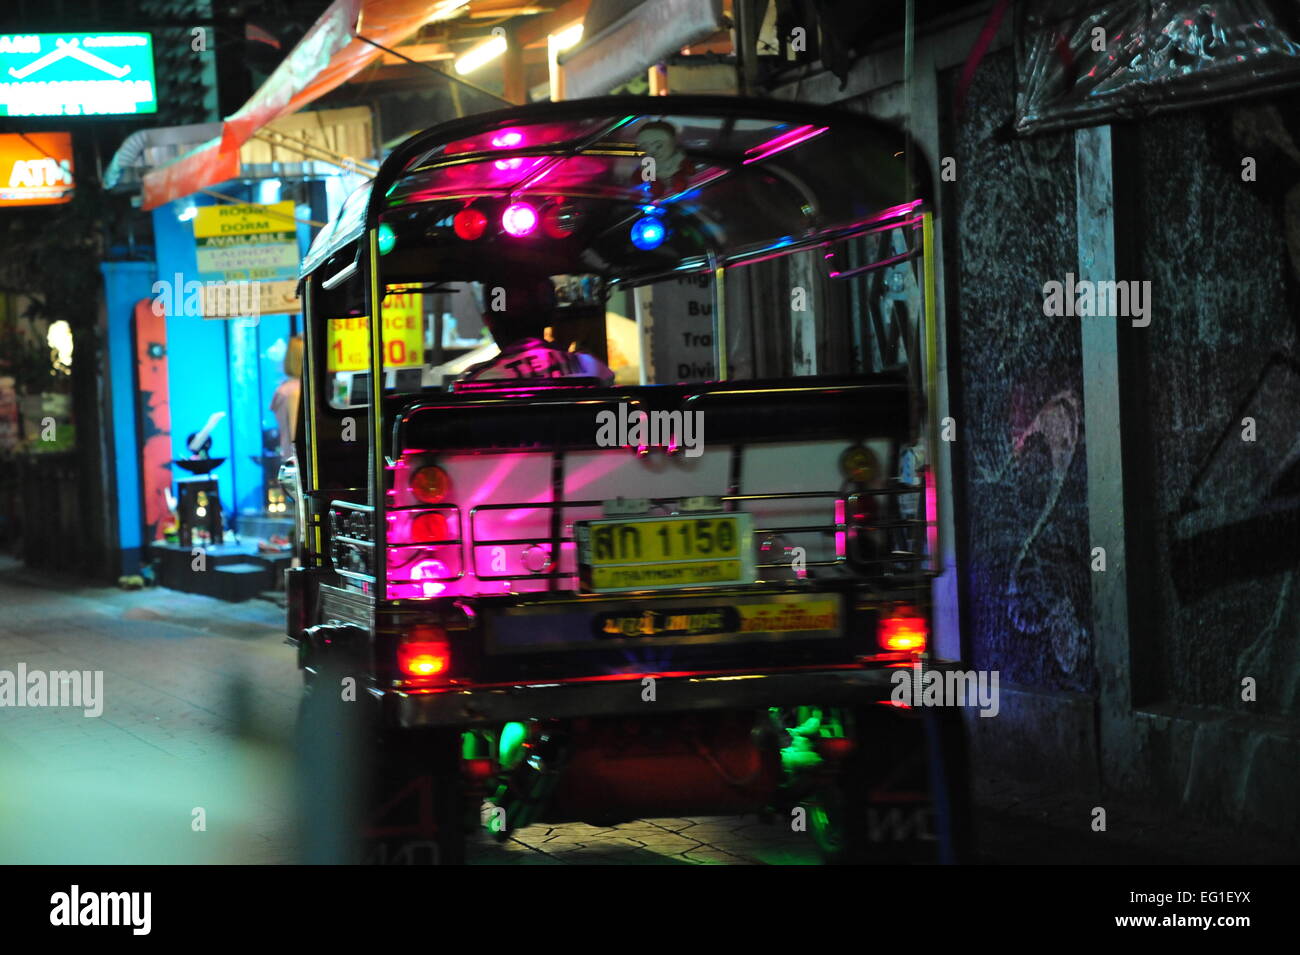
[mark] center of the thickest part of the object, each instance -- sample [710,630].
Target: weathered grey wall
[1223,346]
[1212,521]
[1025,528]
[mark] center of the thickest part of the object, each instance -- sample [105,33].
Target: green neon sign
[76,74]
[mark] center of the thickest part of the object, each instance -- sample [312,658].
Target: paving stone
[168,661]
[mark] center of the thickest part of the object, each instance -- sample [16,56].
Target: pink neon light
[507,138]
[519,219]
[841,548]
[787,140]
[891,212]
[428,569]
[538,176]
[932,517]
[504,164]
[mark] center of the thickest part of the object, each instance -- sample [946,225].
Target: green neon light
[510,749]
[387,238]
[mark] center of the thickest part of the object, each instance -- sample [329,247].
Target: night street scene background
[801,432]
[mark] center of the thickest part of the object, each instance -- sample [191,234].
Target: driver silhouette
[519,329]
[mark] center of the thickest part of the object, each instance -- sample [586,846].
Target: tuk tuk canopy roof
[734,180]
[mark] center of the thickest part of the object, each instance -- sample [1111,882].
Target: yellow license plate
[660,553]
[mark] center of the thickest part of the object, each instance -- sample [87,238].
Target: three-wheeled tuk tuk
[615,489]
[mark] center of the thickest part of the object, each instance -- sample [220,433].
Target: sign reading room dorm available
[76,74]
[246,242]
[249,243]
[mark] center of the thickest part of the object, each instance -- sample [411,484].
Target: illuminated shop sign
[76,74]
[35,169]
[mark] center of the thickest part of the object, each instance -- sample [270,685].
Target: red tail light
[430,484]
[430,526]
[425,654]
[862,511]
[469,224]
[903,630]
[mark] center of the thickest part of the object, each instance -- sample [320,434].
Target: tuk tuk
[615,486]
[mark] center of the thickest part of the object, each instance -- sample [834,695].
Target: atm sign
[35,169]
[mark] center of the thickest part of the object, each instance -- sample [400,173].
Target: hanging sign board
[35,169]
[348,338]
[76,74]
[248,244]
[680,328]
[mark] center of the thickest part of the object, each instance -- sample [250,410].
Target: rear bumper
[624,697]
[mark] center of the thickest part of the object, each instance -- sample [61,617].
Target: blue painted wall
[215,365]
[198,360]
[125,283]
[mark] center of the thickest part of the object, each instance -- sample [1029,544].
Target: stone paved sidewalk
[183,674]
[123,787]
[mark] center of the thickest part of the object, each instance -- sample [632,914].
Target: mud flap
[374,795]
[901,794]
[413,809]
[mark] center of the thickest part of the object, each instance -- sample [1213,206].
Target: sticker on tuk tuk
[691,622]
[670,622]
[348,339]
[805,616]
[789,617]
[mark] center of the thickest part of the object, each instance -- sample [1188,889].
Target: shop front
[205,357]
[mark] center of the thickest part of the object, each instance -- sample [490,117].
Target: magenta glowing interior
[787,140]
[507,138]
[519,219]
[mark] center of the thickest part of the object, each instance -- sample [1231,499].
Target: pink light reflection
[787,140]
[841,549]
[519,219]
[931,516]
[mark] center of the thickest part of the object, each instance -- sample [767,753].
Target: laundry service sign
[76,74]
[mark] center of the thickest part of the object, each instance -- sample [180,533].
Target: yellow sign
[652,553]
[349,338]
[657,540]
[789,617]
[639,576]
[214,221]
[800,616]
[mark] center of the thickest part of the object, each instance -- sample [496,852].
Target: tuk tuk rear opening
[616,489]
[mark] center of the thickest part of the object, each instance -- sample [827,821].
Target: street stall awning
[624,38]
[338,46]
[294,144]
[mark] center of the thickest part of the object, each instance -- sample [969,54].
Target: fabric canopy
[327,57]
